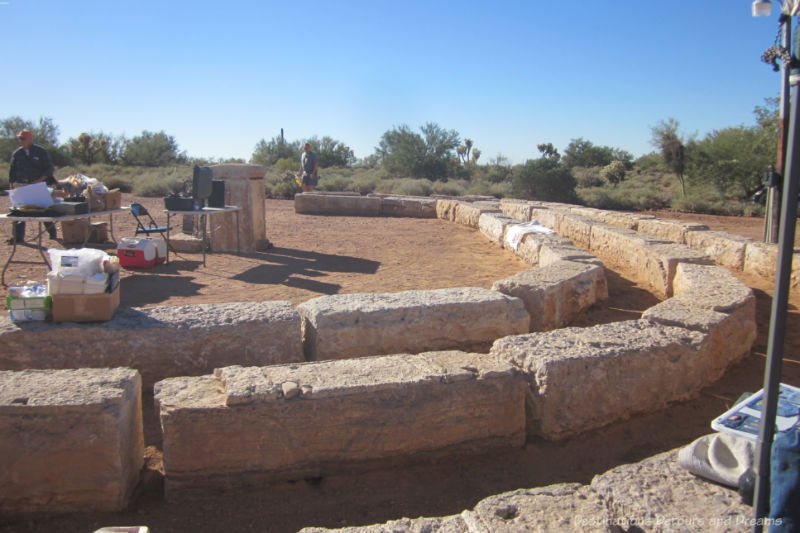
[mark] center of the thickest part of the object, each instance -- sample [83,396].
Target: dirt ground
[314,256]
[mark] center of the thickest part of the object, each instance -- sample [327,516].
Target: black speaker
[217,198]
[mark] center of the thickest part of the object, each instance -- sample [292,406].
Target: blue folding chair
[149,225]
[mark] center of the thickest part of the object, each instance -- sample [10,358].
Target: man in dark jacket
[30,163]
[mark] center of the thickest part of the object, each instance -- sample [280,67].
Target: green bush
[482,188]
[449,188]
[334,183]
[364,183]
[406,186]
[589,177]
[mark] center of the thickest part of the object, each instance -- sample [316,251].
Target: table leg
[168,246]
[111,228]
[46,262]
[10,257]
[205,223]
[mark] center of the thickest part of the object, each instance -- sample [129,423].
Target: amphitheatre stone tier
[69,439]
[317,419]
[675,349]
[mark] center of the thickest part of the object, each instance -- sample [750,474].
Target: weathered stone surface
[671,230]
[761,259]
[710,287]
[549,218]
[407,206]
[576,228]
[557,293]
[660,496]
[244,230]
[725,249]
[342,205]
[160,341]
[519,209]
[447,524]
[237,171]
[656,264]
[375,410]
[618,369]
[354,325]
[70,440]
[494,225]
[532,243]
[623,220]
[555,252]
[469,214]
[180,242]
[565,507]
[446,209]
[614,243]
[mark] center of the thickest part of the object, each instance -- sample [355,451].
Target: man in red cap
[30,163]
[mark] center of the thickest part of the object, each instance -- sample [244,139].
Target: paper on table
[33,194]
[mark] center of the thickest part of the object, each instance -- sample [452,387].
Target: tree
[45,134]
[268,153]
[90,148]
[583,153]
[548,150]
[330,152]
[407,153]
[614,172]
[672,146]
[546,179]
[151,150]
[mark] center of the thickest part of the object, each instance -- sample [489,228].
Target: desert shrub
[588,177]
[449,188]
[333,183]
[406,186]
[364,183]
[287,164]
[482,188]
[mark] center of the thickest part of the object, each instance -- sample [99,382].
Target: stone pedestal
[244,187]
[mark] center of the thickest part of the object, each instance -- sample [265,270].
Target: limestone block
[446,209]
[565,507]
[555,294]
[447,524]
[408,206]
[576,228]
[160,341]
[761,259]
[614,244]
[725,249]
[341,205]
[671,230]
[494,225]
[584,378]
[244,230]
[656,264]
[588,212]
[531,244]
[354,325]
[469,214]
[519,209]
[70,440]
[549,218]
[369,411]
[555,252]
[659,495]
[624,220]
[710,287]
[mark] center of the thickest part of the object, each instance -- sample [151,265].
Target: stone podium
[244,187]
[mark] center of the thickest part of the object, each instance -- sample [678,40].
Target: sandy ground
[315,256]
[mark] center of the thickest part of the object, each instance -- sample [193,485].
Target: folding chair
[149,225]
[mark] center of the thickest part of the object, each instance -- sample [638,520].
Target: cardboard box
[98,232]
[85,307]
[113,200]
[75,231]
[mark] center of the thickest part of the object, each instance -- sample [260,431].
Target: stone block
[549,218]
[576,228]
[519,209]
[530,246]
[710,287]
[469,214]
[623,220]
[761,259]
[555,252]
[659,495]
[671,230]
[494,225]
[446,209]
[555,294]
[656,264]
[374,411]
[341,205]
[447,524]
[160,341]
[70,440]
[723,248]
[239,171]
[408,206]
[614,244]
[354,325]
[584,378]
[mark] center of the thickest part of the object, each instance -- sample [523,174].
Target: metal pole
[773,193]
[777,323]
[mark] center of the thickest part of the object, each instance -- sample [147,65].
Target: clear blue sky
[219,76]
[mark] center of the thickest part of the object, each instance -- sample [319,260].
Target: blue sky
[220,76]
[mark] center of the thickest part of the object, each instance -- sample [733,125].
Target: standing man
[30,163]
[308,167]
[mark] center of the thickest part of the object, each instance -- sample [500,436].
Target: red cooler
[137,252]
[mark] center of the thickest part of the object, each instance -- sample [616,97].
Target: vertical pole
[777,323]
[773,193]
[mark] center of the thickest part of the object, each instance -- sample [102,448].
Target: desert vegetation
[717,173]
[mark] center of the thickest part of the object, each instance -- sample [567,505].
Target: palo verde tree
[547,178]
[406,153]
[673,148]
[268,153]
[151,150]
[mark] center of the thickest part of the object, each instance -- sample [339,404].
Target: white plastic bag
[83,261]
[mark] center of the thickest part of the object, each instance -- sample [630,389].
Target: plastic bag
[83,261]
